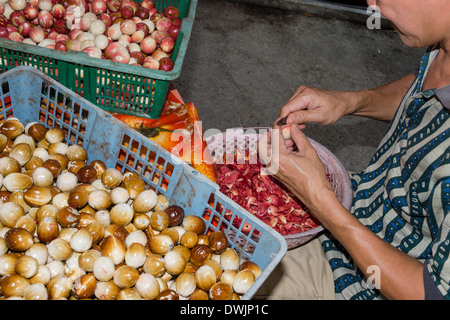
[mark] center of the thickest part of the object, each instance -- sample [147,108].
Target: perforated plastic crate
[112,86]
[30,95]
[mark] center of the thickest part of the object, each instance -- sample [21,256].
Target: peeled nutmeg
[200,254]
[205,277]
[18,239]
[87,259]
[12,128]
[54,135]
[22,152]
[125,276]
[221,291]
[9,165]
[121,214]
[81,240]
[134,186]
[99,166]
[103,268]
[135,255]
[185,284]
[13,285]
[59,249]
[36,130]
[47,229]
[17,181]
[155,265]
[37,196]
[147,286]
[218,241]
[106,290]
[59,286]
[26,266]
[35,291]
[68,217]
[113,247]
[168,294]
[111,178]
[76,152]
[84,286]
[229,259]
[194,223]
[176,215]
[10,213]
[159,220]
[99,199]
[175,263]
[160,244]
[86,174]
[78,197]
[243,280]
[144,201]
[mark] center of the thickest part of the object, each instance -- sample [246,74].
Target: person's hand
[317,105]
[301,171]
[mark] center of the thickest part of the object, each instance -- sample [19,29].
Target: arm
[326,107]
[401,277]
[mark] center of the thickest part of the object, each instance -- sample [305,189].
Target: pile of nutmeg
[73,230]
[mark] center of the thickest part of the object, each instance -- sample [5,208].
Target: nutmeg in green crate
[113,86]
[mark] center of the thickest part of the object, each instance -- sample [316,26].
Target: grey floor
[245,61]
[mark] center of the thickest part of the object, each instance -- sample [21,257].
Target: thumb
[301,141]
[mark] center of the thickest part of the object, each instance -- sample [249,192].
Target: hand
[302,171]
[317,105]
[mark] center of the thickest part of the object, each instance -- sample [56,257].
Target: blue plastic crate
[30,95]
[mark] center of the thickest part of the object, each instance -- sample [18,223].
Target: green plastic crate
[112,86]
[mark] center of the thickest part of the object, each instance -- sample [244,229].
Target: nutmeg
[200,254]
[194,223]
[147,286]
[221,291]
[47,229]
[159,220]
[113,247]
[87,174]
[176,215]
[13,285]
[26,266]
[218,241]
[168,294]
[154,265]
[125,276]
[106,290]
[84,286]
[18,239]
[68,217]
[36,131]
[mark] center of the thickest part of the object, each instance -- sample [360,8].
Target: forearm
[400,276]
[380,103]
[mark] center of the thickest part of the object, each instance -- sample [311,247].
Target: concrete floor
[244,61]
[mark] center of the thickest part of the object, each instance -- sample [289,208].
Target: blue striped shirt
[403,195]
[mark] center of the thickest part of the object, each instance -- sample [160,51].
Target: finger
[301,141]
